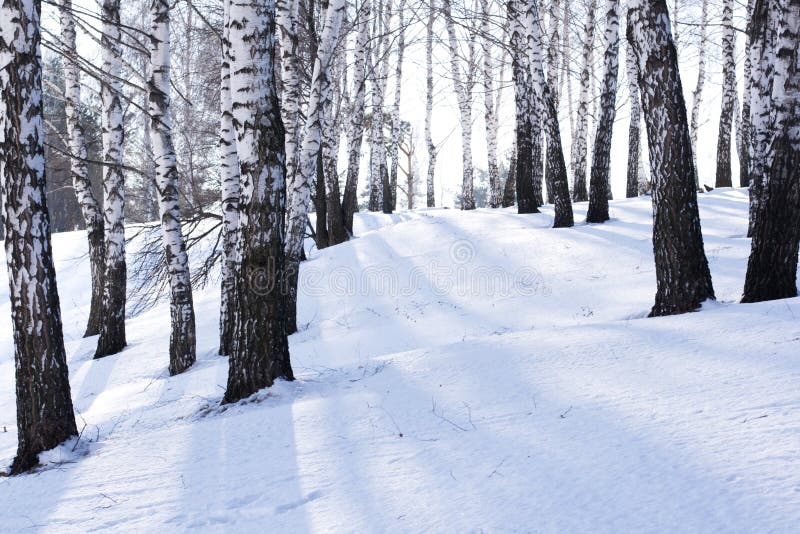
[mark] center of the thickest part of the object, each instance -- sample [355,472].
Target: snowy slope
[456,372]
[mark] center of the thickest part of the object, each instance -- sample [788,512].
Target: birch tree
[182,338]
[562,207]
[634,134]
[489,108]
[775,113]
[356,133]
[462,86]
[229,169]
[287,26]
[723,176]
[260,349]
[601,157]
[744,152]
[90,208]
[378,170]
[697,94]
[45,415]
[398,78]
[580,146]
[309,152]
[112,329]
[683,280]
[430,193]
[527,168]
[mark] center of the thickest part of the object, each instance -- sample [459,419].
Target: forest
[404,265]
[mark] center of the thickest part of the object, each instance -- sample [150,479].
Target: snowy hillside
[457,371]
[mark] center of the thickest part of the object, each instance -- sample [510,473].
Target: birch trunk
[182,338]
[430,193]
[229,167]
[362,51]
[92,213]
[377,158]
[563,216]
[582,122]
[697,94]
[634,133]
[260,349]
[287,27]
[775,34]
[45,415]
[683,280]
[309,153]
[601,157]
[744,151]
[398,76]
[723,176]
[464,97]
[489,109]
[112,329]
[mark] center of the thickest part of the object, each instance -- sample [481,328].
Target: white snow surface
[441,404]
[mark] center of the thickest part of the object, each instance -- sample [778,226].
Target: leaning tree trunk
[697,94]
[430,193]
[772,267]
[229,167]
[580,146]
[182,338]
[601,158]
[634,134]
[45,416]
[309,152]
[260,350]
[723,178]
[683,278]
[464,97]
[112,329]
[562,206]
[489,109]
[92,213]
[398,76]
[356,136]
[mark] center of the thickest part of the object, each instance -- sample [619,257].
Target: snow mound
[456,372]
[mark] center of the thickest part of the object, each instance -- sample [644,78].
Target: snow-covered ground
[456,372]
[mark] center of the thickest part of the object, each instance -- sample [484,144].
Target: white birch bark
[260,350]
[112,329]
[45,415]
[723,172]
[398,77]
[320,93]
[429,181]
[697,94]
[182,338]
[90,208]
[580,143]
[490,117]
[464,97]
[356,134]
